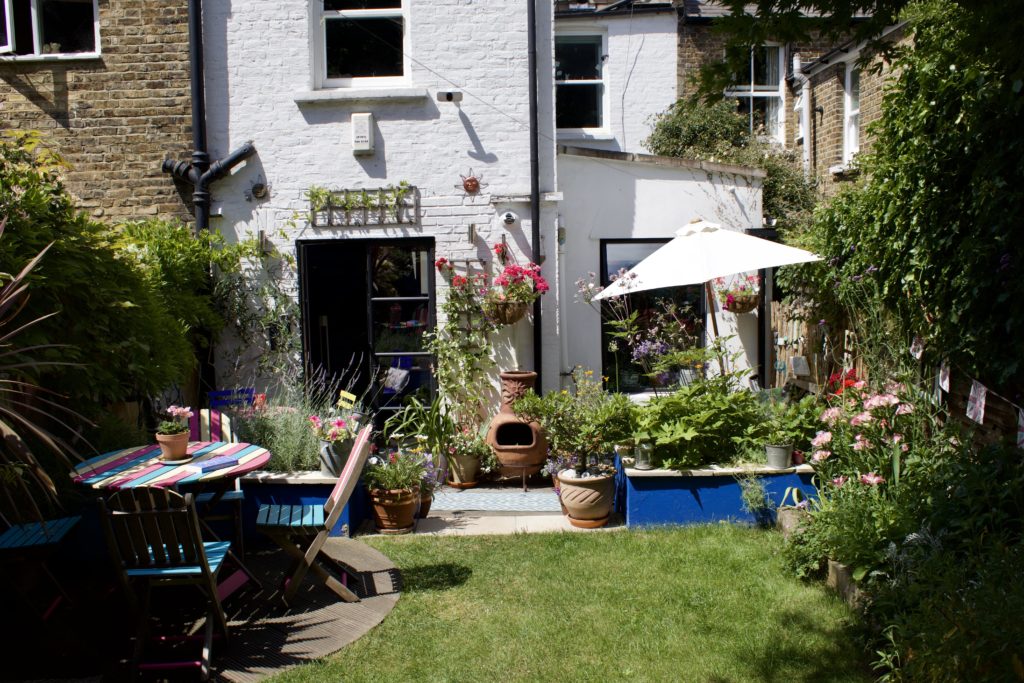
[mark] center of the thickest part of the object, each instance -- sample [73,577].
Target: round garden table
[211,463]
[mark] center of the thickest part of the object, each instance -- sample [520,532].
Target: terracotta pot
[558,492]
[394,510]
[425,501]
[463,471]
[520,446]
[173,446]
[588,501]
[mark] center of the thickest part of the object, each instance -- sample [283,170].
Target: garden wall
[655,497]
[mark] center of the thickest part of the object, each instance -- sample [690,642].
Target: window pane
[578,106]
[855,90]
[577,58]
[400,271]
[766,67]
[399,325]
[5,39]
[625,373]
[363,48]
[762,112]
[23,40]
[67,27]
[332,5]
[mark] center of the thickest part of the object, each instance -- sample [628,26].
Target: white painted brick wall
[258,59]
[640,74]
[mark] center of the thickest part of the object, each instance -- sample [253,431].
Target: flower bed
[700,496]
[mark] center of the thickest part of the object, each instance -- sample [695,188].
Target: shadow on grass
[434,577]
[793,659]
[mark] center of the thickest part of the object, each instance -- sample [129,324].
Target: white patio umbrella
[701,252]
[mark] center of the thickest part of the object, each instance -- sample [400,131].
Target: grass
[688,604]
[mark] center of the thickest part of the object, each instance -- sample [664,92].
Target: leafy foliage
[120,338]
[934,224]
[716,132]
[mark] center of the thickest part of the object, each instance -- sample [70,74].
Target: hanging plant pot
[744,303]
[506,312]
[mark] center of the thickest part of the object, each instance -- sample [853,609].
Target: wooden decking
[268,636]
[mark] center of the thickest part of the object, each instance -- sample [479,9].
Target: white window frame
[8,48]
[604,128]
[851,116]
[318,31]
[774,90]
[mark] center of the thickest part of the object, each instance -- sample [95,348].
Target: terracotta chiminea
[519,445]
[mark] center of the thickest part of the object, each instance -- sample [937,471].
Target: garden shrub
[121,341]
[718,133]
[707,421]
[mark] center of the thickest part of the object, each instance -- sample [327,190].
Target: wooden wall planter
[704,496]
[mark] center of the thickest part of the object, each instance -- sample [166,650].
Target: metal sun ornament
[471,183]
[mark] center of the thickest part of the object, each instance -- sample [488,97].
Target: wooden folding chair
[213,425]
[302,530]
[35,543]
[154,539]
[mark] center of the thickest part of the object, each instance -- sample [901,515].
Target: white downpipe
[563,337]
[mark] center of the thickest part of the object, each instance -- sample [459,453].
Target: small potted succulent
[172,434]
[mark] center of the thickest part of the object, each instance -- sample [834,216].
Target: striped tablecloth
[142,466]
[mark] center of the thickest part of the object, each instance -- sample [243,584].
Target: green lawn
[687,604]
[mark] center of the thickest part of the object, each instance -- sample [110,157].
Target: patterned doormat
[496,501]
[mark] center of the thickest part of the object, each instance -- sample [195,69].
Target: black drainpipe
[531,19]
[200,173]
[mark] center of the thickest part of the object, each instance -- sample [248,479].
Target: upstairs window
[579,82]
[362,42]
[759,91]
[43,28]
[851,113]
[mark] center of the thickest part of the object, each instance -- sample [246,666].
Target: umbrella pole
[714,321]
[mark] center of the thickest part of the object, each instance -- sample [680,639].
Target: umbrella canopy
[700,252]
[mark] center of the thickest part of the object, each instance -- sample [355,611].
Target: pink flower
[821,439]
[831,415]
[904,448]
[839,481]
[872,479]
[904,409]
[315,421]
[338,424]
[860,443]
[880,400]
[896,438]
[859,384]
[860,418]
[820,455]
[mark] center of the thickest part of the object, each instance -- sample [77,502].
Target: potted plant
[172,433]
[581,428]
[788,424]
[515,288]
[394,482]
[739,295]
[336,435]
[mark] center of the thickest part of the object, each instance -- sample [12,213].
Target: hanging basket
[507,312]
[744,303]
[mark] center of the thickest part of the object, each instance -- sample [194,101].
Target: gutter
[200,172]
[531,20]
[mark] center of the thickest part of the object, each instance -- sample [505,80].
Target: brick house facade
[114,112]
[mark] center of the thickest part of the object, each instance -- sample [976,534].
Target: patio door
[366,305]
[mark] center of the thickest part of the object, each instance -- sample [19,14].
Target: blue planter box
[653,497]
[307,488]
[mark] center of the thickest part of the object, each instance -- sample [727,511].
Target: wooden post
[714,321]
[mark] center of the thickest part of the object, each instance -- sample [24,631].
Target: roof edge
[655,160]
